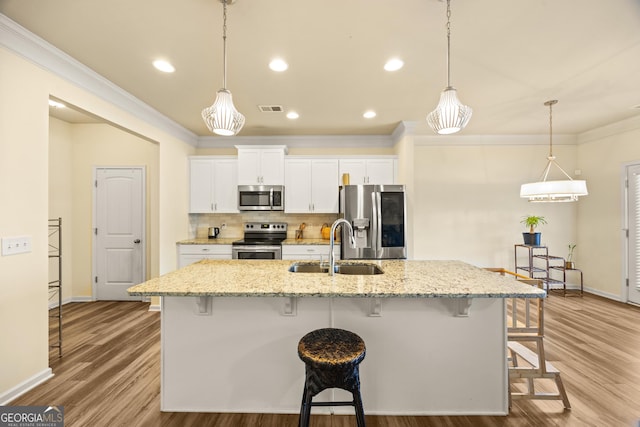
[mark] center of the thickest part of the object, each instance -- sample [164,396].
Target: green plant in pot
[532,238]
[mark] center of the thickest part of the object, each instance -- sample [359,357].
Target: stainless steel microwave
[261,197]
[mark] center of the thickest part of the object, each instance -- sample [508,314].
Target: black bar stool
[332,358]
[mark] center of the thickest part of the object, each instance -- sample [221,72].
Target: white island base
[422,358]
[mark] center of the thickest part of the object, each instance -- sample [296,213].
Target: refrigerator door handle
[376,238]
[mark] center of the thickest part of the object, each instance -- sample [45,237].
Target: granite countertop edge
[272,278]
[230,240]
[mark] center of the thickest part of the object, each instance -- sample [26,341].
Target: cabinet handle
[205,250]
[212,206]
[215,207]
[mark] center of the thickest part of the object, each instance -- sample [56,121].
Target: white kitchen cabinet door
[357,170]
[225,177]
[380,171]
[368,171]
[200,185]
[260,166]
[324,185]
[249,166]
[297,186]
[213,185]
[272,166]
[311,185]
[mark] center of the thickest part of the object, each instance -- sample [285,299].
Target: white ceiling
[508,58]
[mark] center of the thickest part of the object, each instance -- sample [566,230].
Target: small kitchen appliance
[262,240]
[378,216]
[213,232]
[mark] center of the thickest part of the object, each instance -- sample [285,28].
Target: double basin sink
[354,269]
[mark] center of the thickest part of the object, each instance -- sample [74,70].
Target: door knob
[136,241]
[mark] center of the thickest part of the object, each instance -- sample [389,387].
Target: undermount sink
[308,268]
[359,269]
[354,269]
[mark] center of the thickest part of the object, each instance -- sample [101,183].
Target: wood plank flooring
[109,374]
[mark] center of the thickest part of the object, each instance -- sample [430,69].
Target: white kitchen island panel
[421,358]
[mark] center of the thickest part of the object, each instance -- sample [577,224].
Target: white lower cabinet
[309,252]
[188,254]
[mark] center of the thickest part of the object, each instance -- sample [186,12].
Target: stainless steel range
[262,240]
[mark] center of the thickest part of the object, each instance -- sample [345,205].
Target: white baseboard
[17,391]
[603,294]
[155,307]
[54,304]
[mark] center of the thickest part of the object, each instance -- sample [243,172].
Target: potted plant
[569,264]
[532,238]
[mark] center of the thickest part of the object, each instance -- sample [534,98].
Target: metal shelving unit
[55,285]
[541,269]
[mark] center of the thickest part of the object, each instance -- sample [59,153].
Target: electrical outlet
[16,245]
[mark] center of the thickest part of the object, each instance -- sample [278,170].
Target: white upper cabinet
[311,185]
[369,171]
[261,166]
[213,185]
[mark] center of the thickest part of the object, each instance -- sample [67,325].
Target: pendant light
[222,118]
[450,115]
[553,191]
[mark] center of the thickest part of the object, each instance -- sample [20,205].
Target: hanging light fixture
[222,118]
[567,190]
[450,115]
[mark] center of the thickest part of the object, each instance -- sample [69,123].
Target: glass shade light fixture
[450,115]
[567,190]
[222,118]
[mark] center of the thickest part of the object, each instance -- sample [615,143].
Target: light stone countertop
[401,278]
[207,241]
[230,240]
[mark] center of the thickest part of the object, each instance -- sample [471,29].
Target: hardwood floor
[109,374]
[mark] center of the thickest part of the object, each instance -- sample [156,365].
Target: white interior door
[633,193]
[119,232]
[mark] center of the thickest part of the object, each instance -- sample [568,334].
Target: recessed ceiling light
[393,64]
[369,114]
[278,65]
[163,66]
[56,104]
[292,115]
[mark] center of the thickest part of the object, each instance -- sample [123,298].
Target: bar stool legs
[332,358]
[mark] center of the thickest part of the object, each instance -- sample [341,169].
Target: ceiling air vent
[271,108]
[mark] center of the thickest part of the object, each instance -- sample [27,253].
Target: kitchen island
[435,333]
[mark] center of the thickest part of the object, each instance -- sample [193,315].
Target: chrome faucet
[332,257]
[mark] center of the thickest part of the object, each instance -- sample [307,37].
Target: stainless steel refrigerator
[378,215]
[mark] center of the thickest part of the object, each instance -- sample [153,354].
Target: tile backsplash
[199,223]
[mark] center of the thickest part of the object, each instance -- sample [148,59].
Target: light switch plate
[16,245]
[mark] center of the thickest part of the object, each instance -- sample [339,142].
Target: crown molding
[299,141]
[38,51]
[462,140]
[626,125]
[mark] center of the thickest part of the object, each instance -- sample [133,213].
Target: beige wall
[61,201]
[89,146]
[467,204]
[600,215]
[24,194]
